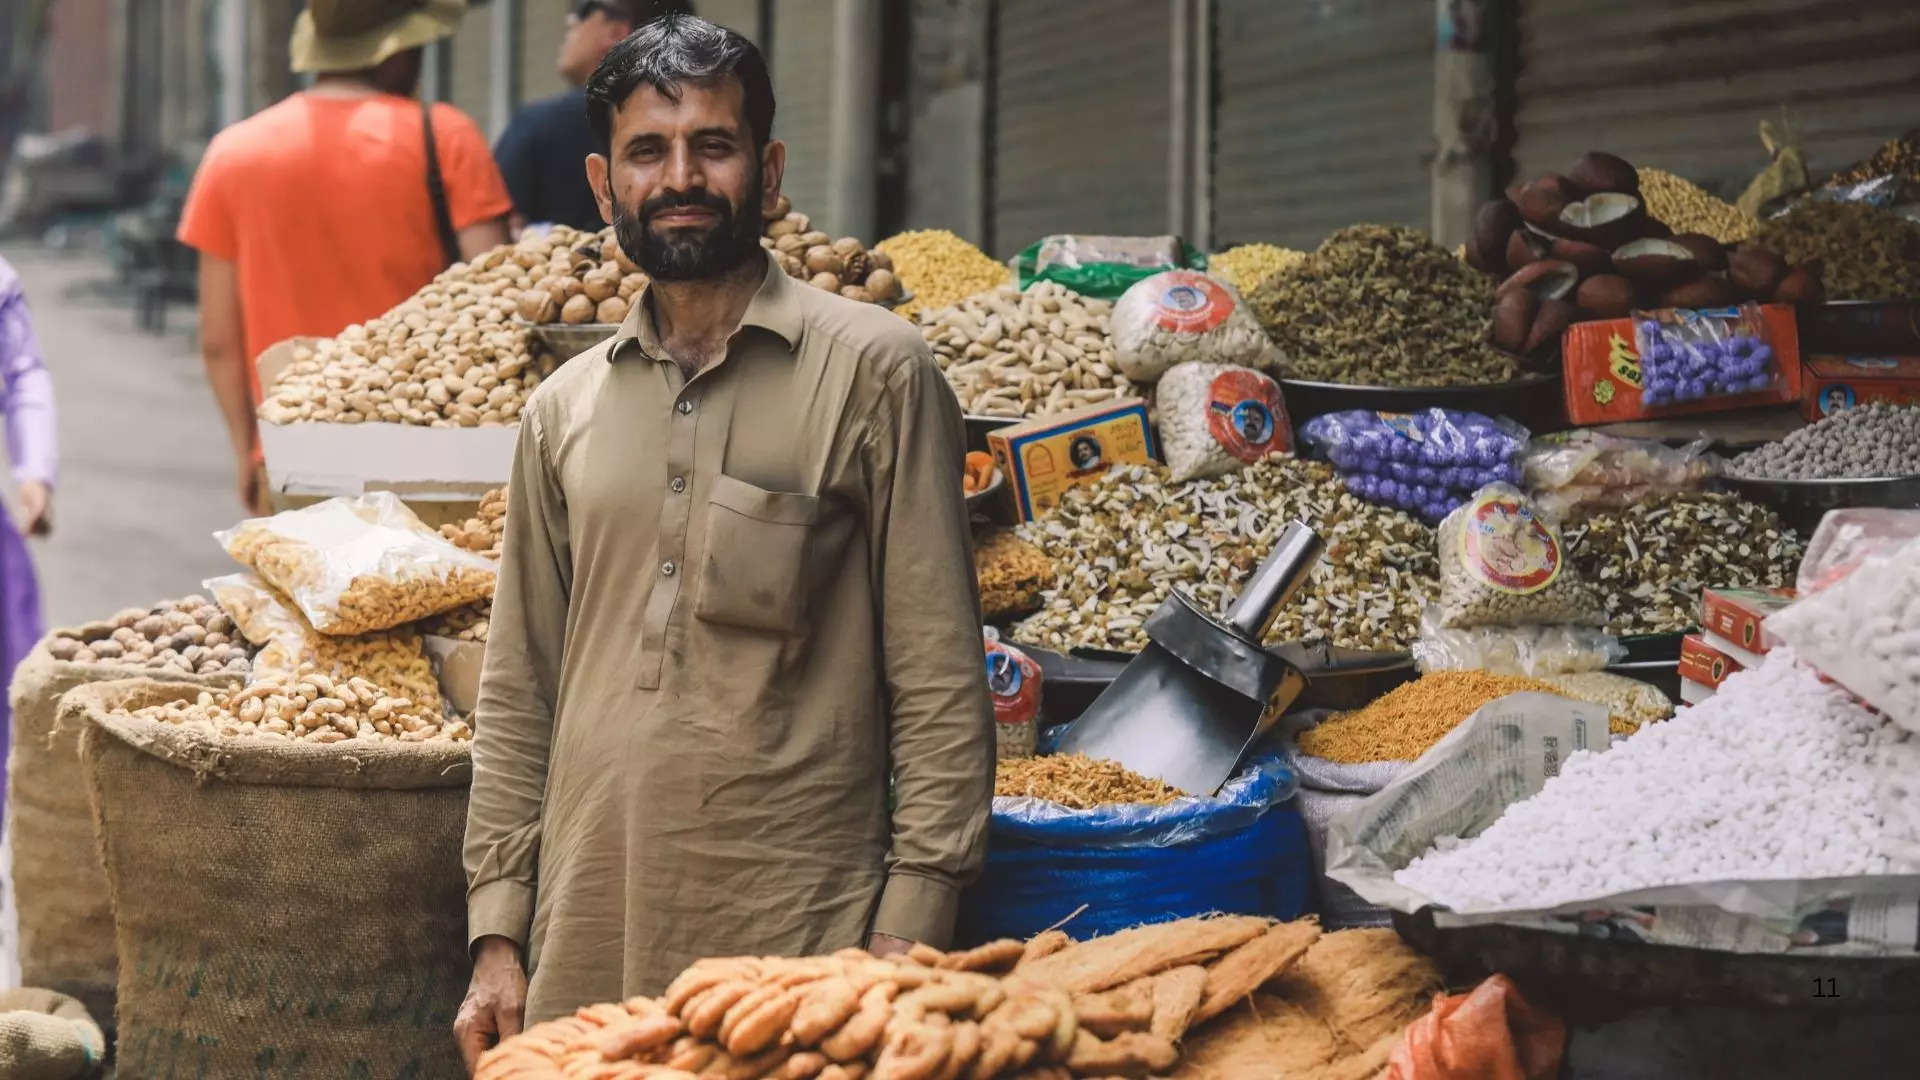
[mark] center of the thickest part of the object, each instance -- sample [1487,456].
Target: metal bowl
[1802,503]
[568,340]
[977,501]
[1531,400]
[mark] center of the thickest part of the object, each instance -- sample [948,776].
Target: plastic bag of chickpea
[357,565]
[1502,563]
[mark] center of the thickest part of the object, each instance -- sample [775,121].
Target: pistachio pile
[451,355]
[1033,353]
[1382,305]
[940,269]
[1651,560]
[1120,545]
[310,706]
[189,635]
[1867,253]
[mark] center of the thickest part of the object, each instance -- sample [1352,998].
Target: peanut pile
[289,644]
[309,706]
[189,635]
[1048,1009]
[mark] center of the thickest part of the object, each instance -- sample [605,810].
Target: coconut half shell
[1599,171]
[1513,316]
[1525,246]
[1547,279]
[1552,320]
[1705,291]
[1590,258]
[1800,287]
[1607,218]
[1655,263]
[1756,271]
[1542,201]
[1605,296]
[1493,223]
[1709,252]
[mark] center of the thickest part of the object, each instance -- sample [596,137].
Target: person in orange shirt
[332,206]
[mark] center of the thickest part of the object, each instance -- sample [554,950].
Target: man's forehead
[703,103]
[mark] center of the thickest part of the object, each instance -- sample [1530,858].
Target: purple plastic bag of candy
[1687,354]
[1424,463]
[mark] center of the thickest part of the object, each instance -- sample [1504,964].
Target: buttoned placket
[687,421]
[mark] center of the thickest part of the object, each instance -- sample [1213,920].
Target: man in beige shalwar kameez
[736,596]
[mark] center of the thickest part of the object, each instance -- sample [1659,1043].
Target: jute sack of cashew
[47,1036]
[66,930]
[280,907]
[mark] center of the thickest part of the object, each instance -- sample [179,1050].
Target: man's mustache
[697,200]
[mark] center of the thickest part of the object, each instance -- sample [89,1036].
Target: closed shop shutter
[1683,84]
[740,16]
[543,26]
[1324,118]
[802,63]
[1081,104]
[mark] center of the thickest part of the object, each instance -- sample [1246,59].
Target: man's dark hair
[676,49]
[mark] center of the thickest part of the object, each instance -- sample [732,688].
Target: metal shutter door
[1324,118]
[802,63]
[1081,108]
[1683,84]
[740,16]
[543,25]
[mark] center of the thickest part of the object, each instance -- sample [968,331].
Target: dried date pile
[1650,561]
[1121,545]
[1382,305]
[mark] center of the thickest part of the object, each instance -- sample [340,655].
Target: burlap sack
[66,931]
[280,908]
[47,1036]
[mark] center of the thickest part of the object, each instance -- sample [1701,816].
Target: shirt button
[678,485]
[667,569]
[685,407]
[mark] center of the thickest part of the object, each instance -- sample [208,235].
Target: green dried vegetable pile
[1865,253]
[1382,305]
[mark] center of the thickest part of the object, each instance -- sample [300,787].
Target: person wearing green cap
[336,204]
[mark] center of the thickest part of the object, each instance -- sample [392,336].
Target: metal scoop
[1191,705]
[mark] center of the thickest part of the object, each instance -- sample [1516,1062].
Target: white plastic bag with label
[1184,316]
[1219,418]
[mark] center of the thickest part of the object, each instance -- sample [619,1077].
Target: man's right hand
[496,1000]
[253,488]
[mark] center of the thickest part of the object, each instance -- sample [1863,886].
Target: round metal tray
[979,500]
[1531,400]
[1802,503]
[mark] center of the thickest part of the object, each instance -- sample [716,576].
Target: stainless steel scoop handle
[1277,579]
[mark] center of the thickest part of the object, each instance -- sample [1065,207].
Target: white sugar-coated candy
[1724,791]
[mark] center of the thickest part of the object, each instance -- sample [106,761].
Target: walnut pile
[190,635]
[1382,305]
[843,265]
[1652,560]
[1120,545]
[582,277]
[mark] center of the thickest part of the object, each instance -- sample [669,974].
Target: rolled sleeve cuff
[499,907]
[915,908]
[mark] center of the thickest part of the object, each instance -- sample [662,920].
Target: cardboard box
[1702,663]
[1833,383]
[1739,617]
[417,463]
[458,663]
[1043,458]
[1693,693]
[1602,372]
[1861,326]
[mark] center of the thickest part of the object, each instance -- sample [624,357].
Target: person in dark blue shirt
[544,150]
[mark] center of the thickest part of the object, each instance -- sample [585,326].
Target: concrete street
[145,473]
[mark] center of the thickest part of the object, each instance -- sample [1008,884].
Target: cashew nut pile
[844,266]
[451,355]
[190,635]
[357,565]
[289,644]
[1035,353]
[481,533]
[1115,1006]
[308,706]
[581,277]
[468,623]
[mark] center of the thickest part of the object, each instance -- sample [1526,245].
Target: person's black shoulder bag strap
[437,190]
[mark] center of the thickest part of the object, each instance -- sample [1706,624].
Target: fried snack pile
[1079,782]
[1049,1008]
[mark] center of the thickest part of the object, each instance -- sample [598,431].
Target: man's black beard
[689,254]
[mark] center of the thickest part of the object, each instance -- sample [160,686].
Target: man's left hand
[36,508]
[887,945]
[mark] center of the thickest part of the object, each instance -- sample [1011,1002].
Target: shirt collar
[774,308]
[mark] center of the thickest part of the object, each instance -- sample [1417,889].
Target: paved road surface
[145,473]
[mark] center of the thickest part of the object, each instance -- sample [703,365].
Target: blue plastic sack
[1242,852]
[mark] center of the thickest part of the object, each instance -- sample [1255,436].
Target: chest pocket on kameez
[753,575]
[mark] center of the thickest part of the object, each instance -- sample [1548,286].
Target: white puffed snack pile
[1864,632]
[1181,316]
[1772,778]
[1215,418]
